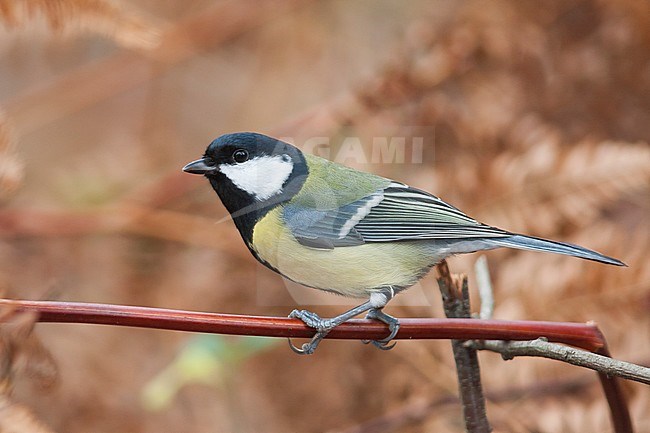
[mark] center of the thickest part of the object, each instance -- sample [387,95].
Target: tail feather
[537,244]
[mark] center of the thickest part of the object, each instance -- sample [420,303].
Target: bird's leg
[379,300]
[323,326]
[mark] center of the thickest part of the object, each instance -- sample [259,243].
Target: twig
[484,284]
[456,305]
[618,409]
[542,348]
[619,412]
[586,336]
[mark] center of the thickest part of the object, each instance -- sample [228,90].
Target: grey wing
[329,228]
[407,213]
[396,213]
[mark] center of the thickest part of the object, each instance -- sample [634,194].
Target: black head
[251,173]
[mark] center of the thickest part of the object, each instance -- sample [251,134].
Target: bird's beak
[199,167]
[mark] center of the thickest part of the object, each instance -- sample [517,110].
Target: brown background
[536,118]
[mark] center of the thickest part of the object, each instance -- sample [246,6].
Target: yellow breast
[351,271]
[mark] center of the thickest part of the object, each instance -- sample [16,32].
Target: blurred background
[535,118]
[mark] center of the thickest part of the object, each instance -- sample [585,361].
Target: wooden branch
[586,336]
[616,401]
[542,348]
[455,297]
[484,285]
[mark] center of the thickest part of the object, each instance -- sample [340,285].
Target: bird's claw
[305,349]
[393,327]
[313,320]
[379,344]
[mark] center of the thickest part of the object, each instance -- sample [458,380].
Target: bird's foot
[313,320]
[393,327]
[324,326]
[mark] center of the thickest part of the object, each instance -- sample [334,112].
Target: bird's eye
[239,156]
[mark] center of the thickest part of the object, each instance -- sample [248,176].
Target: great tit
[333,228]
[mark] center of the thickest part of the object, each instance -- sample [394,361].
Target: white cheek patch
[262,177]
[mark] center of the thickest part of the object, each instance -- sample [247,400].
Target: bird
[341,230]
